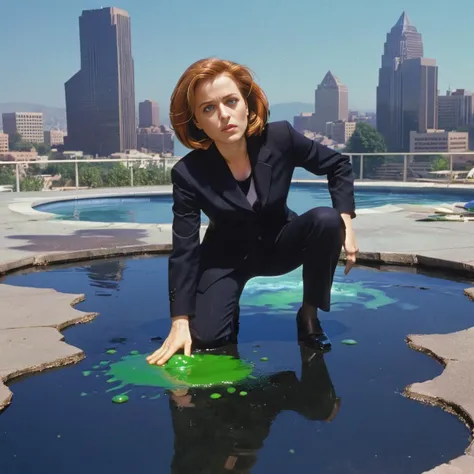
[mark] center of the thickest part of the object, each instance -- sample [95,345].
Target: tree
[7,175]
[152,175]
[366,139]
[43,149]
[23,146]
[66,170]
[31,183]
[90,176]
[440,163]
[117,176]
[13,140]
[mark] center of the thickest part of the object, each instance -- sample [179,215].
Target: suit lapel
[262,170]
[225,184]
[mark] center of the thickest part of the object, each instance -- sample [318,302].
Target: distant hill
[54,117]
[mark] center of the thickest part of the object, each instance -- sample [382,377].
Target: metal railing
[428,167]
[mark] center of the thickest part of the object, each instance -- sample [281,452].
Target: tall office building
[416,109]
[403,42]
[331,102]
[148,114]
[455,109]
[100,98]
[29,125]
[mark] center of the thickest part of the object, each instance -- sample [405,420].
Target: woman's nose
[224,113]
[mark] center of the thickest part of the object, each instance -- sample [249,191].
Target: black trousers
[313,240]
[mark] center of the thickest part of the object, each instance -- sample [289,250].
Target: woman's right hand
[178,338]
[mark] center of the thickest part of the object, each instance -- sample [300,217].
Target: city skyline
[218,30]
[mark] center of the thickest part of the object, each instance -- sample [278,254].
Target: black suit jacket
[202,181]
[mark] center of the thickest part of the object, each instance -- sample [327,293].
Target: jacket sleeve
[322,160]
[183,263]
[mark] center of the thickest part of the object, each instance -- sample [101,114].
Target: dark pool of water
[343,413]
[158,209]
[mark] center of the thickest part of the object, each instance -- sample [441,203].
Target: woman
[239,175]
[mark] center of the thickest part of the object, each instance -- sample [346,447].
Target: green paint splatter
[104,362]
[292,451]
[231,390]
[111,351]
[207,369]
[134,353]
[121,398]
[199,370]
[96,367]
[215,396]
[155,397]
[284,292]
[243,393]
[264,359]
[86,373]
[83,394]
[349,342]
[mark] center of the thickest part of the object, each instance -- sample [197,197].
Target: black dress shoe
[311,334]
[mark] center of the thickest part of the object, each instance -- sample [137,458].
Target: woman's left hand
[350,244]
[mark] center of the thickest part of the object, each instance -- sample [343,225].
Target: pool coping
[408,259]
[27,206]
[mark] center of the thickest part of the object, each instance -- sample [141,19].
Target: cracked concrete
[30,340]
[469,292]
[461,465]
[453,390]
[27,350]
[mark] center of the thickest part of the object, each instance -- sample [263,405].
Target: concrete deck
[30,340]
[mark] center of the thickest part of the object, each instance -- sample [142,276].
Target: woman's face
[220,110]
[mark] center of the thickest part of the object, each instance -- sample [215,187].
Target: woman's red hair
[183,100]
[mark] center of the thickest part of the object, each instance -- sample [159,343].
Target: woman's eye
[232,101]
[208,108]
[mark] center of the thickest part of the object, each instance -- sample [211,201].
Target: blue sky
[290,45]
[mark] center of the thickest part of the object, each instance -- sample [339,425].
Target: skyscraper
[403,42]
[455,109]
[100,97]
[417,110]
[331,102]
[148,114]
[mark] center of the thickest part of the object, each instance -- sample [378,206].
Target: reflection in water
[105,274]
[377,431]
[225,435]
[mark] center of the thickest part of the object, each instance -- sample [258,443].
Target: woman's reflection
[223,436]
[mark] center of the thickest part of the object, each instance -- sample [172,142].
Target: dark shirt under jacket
[203,181]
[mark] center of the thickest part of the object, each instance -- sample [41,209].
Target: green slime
[283,292]
[199,370]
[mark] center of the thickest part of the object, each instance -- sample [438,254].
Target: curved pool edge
[401,259]
[26,206]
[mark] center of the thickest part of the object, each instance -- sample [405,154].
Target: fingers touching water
[178,338]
